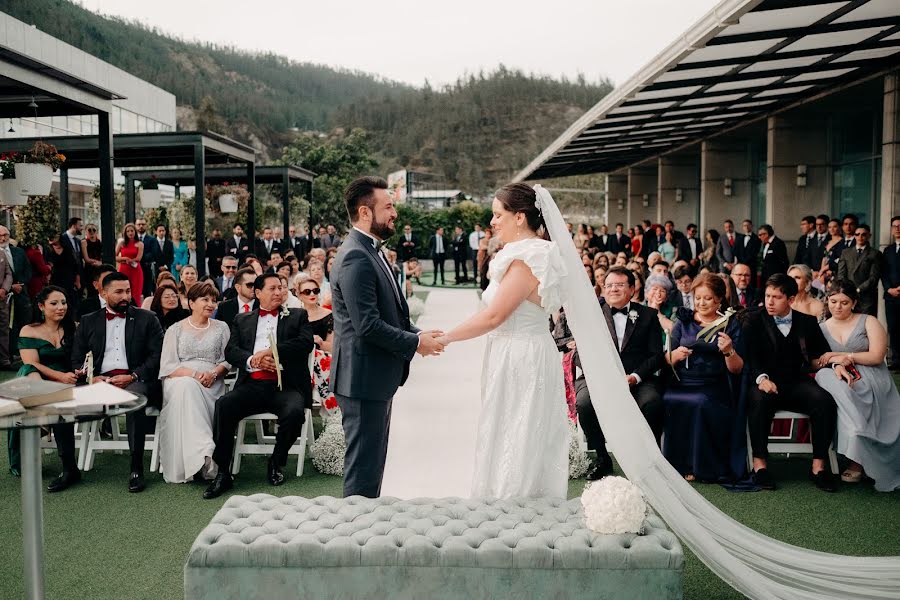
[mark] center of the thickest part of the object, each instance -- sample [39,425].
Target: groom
[374,340]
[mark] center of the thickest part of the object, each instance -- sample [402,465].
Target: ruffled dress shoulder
[546,264]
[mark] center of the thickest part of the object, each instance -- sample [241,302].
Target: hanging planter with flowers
[227,201]
[9,187]
[150,194]
[34,169]
[231,197]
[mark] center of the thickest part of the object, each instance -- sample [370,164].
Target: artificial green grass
[102,542]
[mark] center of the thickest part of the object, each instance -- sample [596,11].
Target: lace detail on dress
[545,262]
[183,343]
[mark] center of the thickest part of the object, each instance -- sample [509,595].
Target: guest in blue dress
[705,427]
[182,256]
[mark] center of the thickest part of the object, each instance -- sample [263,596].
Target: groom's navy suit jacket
[374,340]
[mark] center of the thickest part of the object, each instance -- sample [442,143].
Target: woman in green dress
[46,350]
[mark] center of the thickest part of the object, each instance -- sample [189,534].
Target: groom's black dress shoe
[65,480]
[600,468]
[136,482]
[274,474]
[762,478]
[824,480]
[221,484]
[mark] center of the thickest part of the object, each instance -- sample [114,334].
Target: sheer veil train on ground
[754,564]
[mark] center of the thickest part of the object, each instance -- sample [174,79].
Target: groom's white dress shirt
[264,327]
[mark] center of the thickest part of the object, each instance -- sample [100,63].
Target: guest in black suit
[406,247]
[237,245]
[890,280]
[438,248]
[774,253]
[225,282]
[819,242]
[744,295]
[748,252]
[637,334]
[215,252]
[785,346]
[20,303]
[690,247]
[243,301]
[806,243]
[266,245]
[126,343]
[849,223]
[257,388]
[298,243]
[95,302]
[66,260]
[669,227]
[460,254]
[861,264]
[604,240]
[165,251]
[148,257]
[619,241]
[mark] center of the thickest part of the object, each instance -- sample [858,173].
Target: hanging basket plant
[9,187]
[34,169]
[151,197]
[229,198]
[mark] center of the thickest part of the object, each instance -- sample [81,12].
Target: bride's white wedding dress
[523,434]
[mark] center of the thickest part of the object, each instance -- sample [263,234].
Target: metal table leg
[32,514]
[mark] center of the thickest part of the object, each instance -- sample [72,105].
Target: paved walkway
[432,443]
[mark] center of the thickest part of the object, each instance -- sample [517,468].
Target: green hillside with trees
[474,134]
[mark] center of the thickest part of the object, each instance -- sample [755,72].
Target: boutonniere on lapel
[632,316]
[285,311]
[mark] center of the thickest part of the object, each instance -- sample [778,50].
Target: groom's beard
[382,230]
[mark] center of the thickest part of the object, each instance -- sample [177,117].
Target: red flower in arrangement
[325,363]
[331,403]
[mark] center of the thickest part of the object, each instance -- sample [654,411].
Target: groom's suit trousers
[367,424]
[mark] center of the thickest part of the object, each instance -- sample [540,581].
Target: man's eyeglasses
[311,292]
[229,267]
[615,286]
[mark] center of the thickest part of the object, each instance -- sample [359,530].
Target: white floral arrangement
[328,449]
[416,307]
[579,463]
[614,505]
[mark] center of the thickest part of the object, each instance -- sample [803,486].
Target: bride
[523,433]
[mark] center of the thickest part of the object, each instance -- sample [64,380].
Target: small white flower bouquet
[328,449]
[578,458]
[614,505]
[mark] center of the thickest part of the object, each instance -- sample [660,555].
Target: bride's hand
[443,339]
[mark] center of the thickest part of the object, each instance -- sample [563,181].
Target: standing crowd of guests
[718,334]
[156,328]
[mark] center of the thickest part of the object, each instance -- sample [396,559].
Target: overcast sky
[412,41]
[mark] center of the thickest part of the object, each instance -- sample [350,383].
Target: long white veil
[754,564]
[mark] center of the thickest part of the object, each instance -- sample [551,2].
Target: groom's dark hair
[360,193]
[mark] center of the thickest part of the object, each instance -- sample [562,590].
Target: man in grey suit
[861,264]
[728,247]
[6,283]
[374,340]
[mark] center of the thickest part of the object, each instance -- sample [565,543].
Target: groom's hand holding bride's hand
[430,343]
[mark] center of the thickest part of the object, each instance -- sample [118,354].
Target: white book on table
[10,407]
[95,397]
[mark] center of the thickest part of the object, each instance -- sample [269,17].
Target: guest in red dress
[128,256]
[40,270]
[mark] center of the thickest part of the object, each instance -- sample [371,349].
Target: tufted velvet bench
[262,546]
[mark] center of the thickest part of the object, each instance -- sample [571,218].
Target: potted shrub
[227,201]
[34,169]
[9,190]
[150,194]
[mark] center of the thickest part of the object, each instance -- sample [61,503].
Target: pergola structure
[148,150]
[742,61]
[283,175]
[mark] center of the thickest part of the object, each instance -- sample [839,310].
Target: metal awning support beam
[200,208]
[63,198]
[250,227]
[107,191]
[285,204]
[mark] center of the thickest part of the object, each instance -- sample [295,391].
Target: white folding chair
[48,444]
[785,444]
[119,442]
[265,443]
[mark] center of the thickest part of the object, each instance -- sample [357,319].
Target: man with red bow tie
[256,389]
[126,343]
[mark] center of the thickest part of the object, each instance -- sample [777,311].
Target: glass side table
[29,424]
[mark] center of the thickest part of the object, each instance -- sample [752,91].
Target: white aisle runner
[431,451]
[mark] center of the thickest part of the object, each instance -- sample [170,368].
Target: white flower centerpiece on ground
[614,505]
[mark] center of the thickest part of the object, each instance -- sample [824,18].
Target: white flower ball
[614,505]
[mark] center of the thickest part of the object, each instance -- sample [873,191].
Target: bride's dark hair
[520,198]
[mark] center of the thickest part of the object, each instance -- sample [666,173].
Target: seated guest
[95,301]
[636,333]
[257,389]
[804,301]
[657,298]
[161,279]
[166,305]
[46,347]
[192,369]
[784,346]
[126,344]
[868,407]
[291,301]
[243,301]
[413,270]
[188,279]
[684,283]
[252,262]
[745,295]
[705,432]
[322,323]
[284,269]
[225,282]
